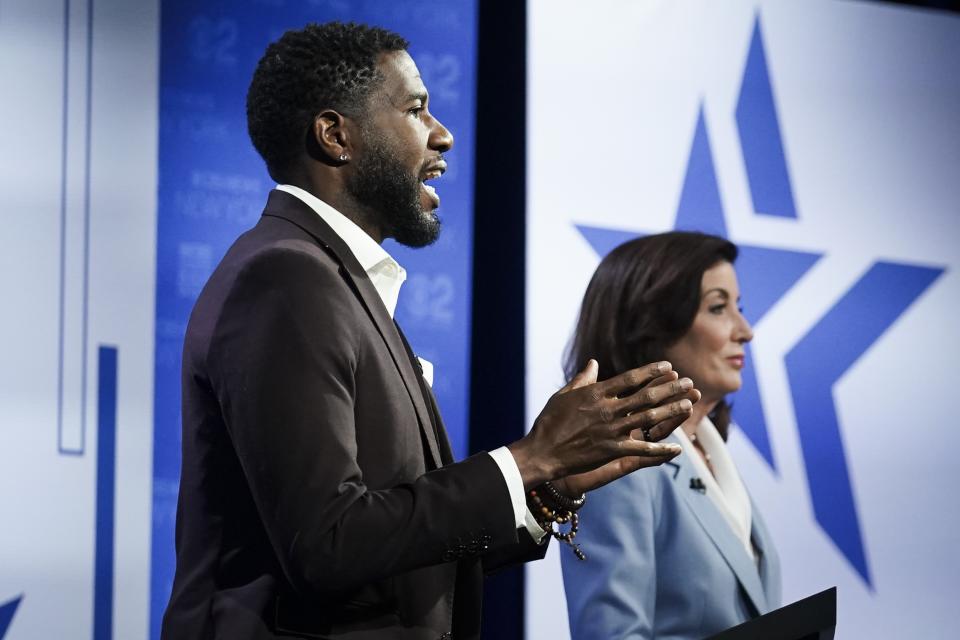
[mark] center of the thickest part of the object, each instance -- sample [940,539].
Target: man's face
[402,146]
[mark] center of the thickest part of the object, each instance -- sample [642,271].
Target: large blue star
[815,364]
[6,614]
[832,346]
[765,274]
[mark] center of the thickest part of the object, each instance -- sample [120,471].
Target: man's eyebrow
[403,100]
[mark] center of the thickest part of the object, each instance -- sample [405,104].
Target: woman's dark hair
[642,299]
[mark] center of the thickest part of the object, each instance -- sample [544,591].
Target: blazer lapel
[769,563]
[283,205]
[718,530]
[446,450]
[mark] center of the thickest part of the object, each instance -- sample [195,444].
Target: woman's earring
[343,157]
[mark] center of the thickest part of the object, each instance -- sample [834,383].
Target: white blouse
[724,486]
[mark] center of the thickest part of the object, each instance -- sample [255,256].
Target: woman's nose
[743,332]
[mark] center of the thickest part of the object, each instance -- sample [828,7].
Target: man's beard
[388,190]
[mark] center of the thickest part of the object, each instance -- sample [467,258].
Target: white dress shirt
[387,277]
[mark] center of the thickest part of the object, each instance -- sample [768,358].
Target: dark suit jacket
[317,496]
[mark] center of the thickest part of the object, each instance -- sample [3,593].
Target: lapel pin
[697,485]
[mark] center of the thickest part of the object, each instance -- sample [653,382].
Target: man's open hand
[590,433]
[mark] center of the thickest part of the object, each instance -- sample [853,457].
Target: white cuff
[522,517]
[533,527]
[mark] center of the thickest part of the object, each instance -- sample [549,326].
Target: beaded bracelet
[547,516]
[564,501]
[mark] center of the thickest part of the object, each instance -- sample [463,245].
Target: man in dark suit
[318,496]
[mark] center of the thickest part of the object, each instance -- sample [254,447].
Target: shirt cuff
[522,517]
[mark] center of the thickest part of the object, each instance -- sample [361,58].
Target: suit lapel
[446,451]
[718,530]
[435,422]
[291,208]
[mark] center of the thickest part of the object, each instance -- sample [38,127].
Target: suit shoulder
[267,271]
[289,258]
[277,254]
[277,238]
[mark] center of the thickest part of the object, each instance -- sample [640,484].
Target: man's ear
[328,139]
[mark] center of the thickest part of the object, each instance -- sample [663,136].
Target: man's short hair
[322,66]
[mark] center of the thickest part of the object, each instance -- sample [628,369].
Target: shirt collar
[365,249]
[385,273]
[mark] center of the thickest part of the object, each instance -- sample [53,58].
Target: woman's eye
[717,309]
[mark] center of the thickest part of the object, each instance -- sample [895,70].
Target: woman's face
[711,353]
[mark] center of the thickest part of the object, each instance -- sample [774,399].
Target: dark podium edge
[813,618]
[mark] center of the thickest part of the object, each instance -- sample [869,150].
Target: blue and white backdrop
[125,172]
[822,138]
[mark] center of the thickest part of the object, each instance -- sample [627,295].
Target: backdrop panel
[823,140]
[78,131]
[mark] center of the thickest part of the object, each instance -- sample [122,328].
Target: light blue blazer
[662,562]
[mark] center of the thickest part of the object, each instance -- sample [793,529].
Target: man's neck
[334,193]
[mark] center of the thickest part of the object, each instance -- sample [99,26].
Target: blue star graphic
[832,346]
[817,362]
[765,274]
[6,614]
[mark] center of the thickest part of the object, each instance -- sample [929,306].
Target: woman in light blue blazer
[678,552]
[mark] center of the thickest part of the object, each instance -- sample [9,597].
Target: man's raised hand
[590,433]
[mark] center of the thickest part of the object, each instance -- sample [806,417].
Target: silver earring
[343,157]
